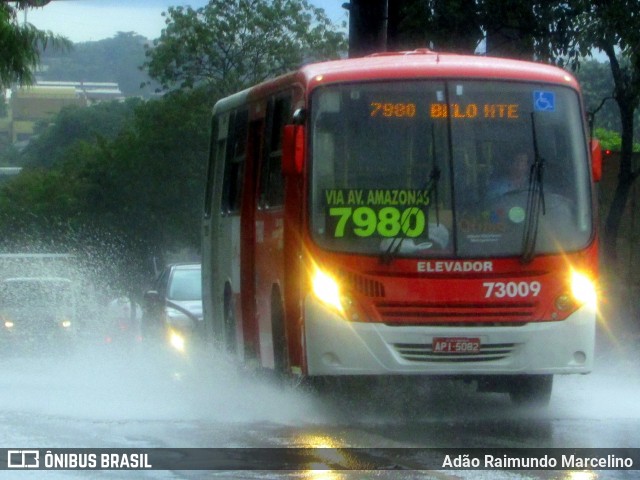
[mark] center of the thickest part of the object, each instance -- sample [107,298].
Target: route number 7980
[511,289]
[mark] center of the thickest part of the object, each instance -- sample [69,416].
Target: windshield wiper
[535,200]
[431,188]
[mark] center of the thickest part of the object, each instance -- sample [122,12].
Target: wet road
[138,398]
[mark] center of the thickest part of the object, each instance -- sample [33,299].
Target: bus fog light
[579,357]
[564,302]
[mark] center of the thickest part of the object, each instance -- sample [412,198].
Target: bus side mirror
[292,149]
[596,159]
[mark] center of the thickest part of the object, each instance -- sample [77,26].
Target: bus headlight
[327,290]
[583,289]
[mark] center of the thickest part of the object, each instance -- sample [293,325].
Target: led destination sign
[393,110]
[507,111]
[474,110]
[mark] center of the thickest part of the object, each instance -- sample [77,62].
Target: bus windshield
[446,168]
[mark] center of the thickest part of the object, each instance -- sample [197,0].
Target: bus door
[250,330]
[229,227]
[269,233]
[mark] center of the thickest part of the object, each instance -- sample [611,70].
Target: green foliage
[20,45]
[230,44]
[72,124]
[611,140]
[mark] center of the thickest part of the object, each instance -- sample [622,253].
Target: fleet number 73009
[511,289]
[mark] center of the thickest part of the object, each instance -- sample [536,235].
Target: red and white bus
[371,216]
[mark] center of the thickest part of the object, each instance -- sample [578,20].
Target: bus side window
[215,153]
[271,181]
[234,162]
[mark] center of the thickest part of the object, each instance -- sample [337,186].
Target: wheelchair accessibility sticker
[544,101]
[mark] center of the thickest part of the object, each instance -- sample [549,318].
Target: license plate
[455,345]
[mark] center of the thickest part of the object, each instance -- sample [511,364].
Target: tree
[72,124]
[613,27]
[526,30]
[517,29]
[230,44]
[597,89]
[20,45]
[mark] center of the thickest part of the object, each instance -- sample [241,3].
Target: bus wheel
[229,324]
[531,390]
[279,338]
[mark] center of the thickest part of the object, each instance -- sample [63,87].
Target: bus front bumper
[335,346]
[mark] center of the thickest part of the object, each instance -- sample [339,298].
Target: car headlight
[176,340]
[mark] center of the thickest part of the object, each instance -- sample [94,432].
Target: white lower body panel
[335,346]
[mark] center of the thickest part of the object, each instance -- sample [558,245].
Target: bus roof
[415,64]
[429,64]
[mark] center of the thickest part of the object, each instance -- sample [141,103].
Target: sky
[90,20]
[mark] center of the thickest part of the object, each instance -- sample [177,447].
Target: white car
[38,312]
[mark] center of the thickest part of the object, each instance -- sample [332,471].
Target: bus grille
[363,285]
[421,352]
[471,314]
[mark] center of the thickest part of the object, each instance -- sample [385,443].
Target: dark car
[172,309]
